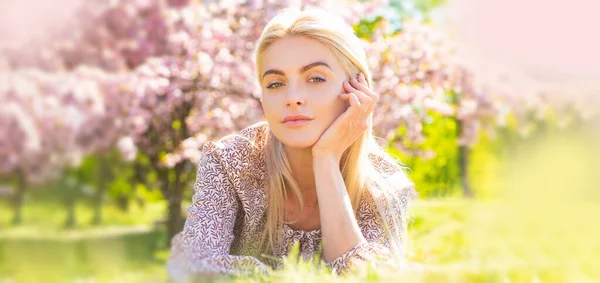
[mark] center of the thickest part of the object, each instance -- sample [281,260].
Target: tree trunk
[463,161]
[18,199]
[175,223]
[138,178]
[100,190]
[71,185]
[123,203]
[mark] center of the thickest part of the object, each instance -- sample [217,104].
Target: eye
[315,80]
[319,79]
[271,85]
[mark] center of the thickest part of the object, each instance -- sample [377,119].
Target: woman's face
[301,76]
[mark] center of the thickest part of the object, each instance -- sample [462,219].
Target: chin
[298,143]
[297,139]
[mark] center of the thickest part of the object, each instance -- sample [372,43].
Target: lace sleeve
[202,248]
[378,244]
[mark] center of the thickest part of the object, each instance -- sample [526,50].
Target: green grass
[127,248]
[105,256]
[451,240]
[51,215]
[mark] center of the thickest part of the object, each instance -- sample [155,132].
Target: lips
[296,120]
[296,117]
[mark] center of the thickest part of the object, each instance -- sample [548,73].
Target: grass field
[450,241]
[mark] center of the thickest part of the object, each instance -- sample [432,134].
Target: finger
[362,86]
[359,119]
[366,101]
[361,78]
[353,116]
[349,96]
[374,96]
[354,107]
[363,98]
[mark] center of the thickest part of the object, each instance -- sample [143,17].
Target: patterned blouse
[228,213]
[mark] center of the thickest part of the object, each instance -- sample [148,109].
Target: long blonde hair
[356,168]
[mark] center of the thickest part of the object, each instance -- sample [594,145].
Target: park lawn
[450,240]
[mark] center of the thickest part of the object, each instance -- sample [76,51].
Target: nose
[297,102]
[294,98]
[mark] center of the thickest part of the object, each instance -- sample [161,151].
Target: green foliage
[176,124]
[427,6]
[486,166]
[438,175]
[416,9]
[364,28]
[45,212]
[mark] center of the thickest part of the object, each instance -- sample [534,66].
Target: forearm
[339,228]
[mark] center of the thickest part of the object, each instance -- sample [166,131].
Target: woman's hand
[346,129]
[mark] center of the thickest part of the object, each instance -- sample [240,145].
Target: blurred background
[104,106]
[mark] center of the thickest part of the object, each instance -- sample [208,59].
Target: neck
[300,160]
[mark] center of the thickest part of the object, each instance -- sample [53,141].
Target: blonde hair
[356,168]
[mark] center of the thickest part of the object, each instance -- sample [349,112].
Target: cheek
[332,105]
[340,106]
[270,107]
[333,109]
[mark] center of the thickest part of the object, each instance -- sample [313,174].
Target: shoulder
[237,150]
[384,163]
[391,172]
[238,143]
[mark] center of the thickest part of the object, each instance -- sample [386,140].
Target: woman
[312,173]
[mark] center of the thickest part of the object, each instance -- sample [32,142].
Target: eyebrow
[302,70]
